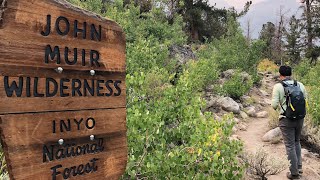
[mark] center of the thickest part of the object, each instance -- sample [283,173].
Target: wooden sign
[62,92]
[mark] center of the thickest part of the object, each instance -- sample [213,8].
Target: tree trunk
[104,7]
[309,25]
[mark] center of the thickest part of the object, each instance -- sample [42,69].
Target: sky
[261,11]
[239,3]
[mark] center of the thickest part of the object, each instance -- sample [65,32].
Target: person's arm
[275,97]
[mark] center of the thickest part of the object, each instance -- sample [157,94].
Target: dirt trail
[257,127]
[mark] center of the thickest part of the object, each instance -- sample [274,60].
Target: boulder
[212,101]
[228,73]
[243,115]
[251,111]
[246,100]
[182,53]
[262,114]
[272,135]
[229,105]
[245,76]
[241,106]
[209,88]
[236,120]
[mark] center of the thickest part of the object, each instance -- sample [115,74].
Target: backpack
[295,101]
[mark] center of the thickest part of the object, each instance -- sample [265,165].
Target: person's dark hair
[285,70]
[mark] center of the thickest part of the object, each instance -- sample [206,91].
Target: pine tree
[311,18]
[267,34]
[293,40]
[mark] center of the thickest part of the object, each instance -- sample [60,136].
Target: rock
[209,88]
[262,114]
[182,53]
[251,111]
[264,93]
[211,102]
[245,76]
[208,95]
[241,106]
[222,81]
[236,120]
[245,98]
[243,115]
[228,73]
[262,103]
[272,135]
[229,105]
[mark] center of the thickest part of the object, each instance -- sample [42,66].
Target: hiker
[290,96]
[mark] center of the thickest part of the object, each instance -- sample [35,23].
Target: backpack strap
[284,84]
[286,95]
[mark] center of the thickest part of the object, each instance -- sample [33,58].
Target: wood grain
[24,136]
[35,104]
[25,20]
[31,122]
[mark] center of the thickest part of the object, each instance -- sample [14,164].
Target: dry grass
[3,166]
[273,118]
[260,165]
[311,131]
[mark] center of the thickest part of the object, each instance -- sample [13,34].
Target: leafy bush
[313,104]
[267,65]
[168,136]
[152,24]
[144,54]
[310,76]
[233,52]
[302,69]
[236,86]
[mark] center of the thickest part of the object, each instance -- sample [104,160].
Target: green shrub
[310,76]
[144,54]
[168,137]
[233,52]
[302,69]
[313,104]
[236,86]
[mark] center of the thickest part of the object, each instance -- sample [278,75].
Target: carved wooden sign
[62,92]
